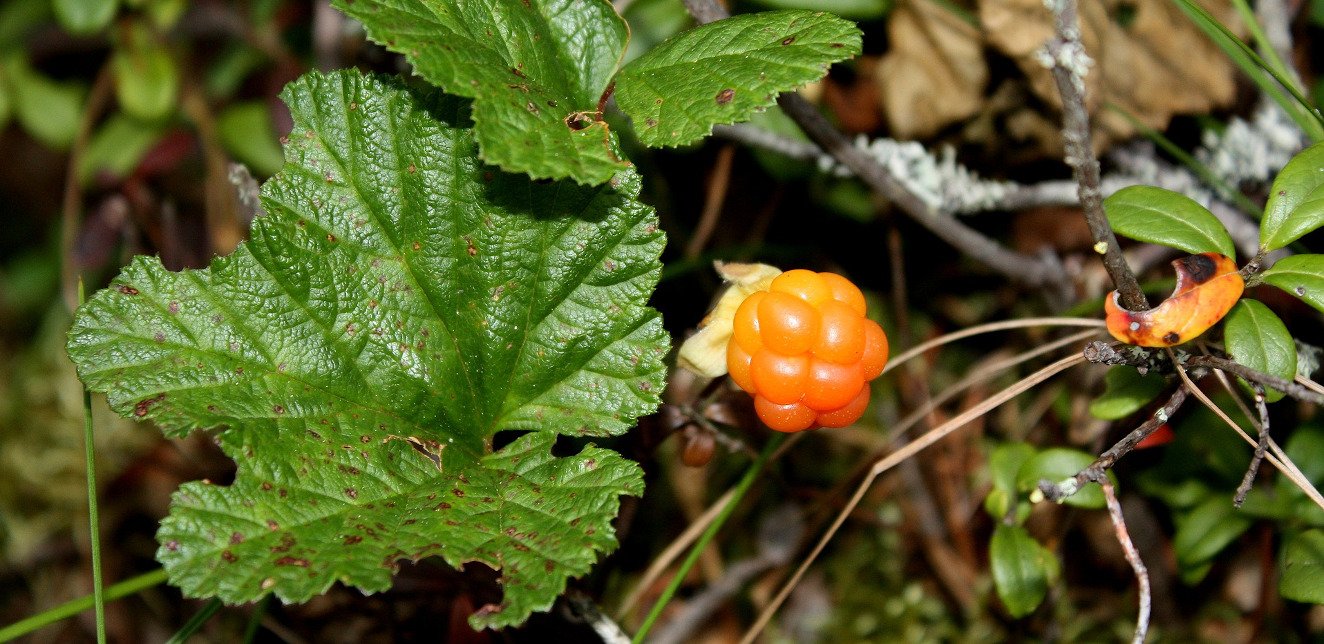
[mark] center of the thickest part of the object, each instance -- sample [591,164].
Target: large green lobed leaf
[400,305]
[533,67]
[724,71]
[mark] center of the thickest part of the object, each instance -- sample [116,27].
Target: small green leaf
[399,306]
[1303,568]
[84,17]
[49,110]
[1300,275]
[1296,202]
[117,147]
[1006,462]
[1258,339]
[246,132]
[1022,569]
[1003,465]
[1168,218]
[535,71]
[724,71]
[1304,447]
[146,78]
[166,13]
[1126,392]
[1205,531]
[1058,463]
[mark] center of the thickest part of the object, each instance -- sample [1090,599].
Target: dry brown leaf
[934,73]
[1149,58]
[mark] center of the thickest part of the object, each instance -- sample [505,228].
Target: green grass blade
[693,557]
[90,461]
[1272,83]
[1257,33]
[69,609]
[255,622]
[196,622]
[1193,164]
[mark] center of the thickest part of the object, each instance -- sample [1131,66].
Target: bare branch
[1097,471]
[1132,557]
[1030,271]
[1268,380]
[1065,55]
[1023,268]
[1260,447]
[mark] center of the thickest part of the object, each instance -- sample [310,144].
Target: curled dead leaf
[704,352]
[1208,285]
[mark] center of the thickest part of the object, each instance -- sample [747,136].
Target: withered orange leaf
[1208,285]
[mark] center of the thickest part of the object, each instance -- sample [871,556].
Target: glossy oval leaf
[1257,338]
[246,132]
[1300,275]
[1296,202]
[1058,463]
[1204,532]
[49,110]
[1303,568]
[399,306]
[1126,392]
[117,147]
[1022,569]
[1003,465]
[146,77]
[536,72]
[724,71]
[84,17]
[1167,218]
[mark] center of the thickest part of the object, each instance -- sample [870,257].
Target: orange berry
[781,379]
[845,292]
[875,350]
[806,285]
[784,418]
[840,333]
[737,364]
[831,385]
[746,323]
[787,324]
[847,414]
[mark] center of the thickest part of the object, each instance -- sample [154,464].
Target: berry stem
[741,488]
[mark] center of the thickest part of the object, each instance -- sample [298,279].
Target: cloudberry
[806,351]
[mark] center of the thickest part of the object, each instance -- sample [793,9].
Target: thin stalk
[745,482]
[890,461]
[255,622]
[196,622]
[1193,164]
[1262,39]
[69,609]
[90,462]
[1268,80]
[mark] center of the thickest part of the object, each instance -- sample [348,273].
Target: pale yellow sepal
[704,352]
